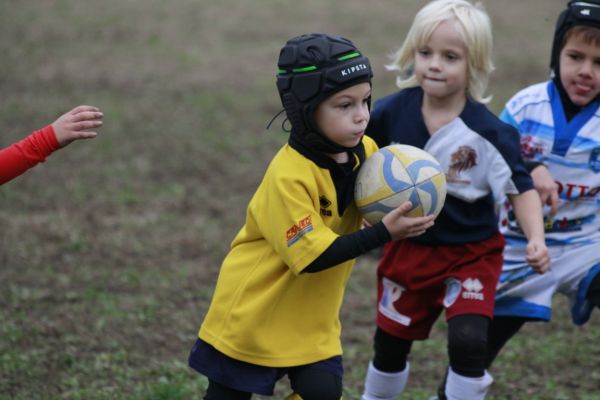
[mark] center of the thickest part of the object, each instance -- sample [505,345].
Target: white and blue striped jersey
[571,151]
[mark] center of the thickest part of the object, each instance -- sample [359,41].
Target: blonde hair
[476,29]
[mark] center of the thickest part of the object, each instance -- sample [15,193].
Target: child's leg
[315,384]
[391,352]
[239,379]
[499,333]
[467,377]
[586,297]
[388,372]
[467,344]
[216,391]
[593,293]
[381,385]
[460,387]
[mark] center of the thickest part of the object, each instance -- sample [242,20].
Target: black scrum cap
[311,68]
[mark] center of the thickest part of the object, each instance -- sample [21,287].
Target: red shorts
[416,282]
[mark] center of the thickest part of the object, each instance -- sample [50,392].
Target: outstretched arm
[27,153]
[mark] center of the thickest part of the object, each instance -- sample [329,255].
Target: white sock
[460,387]
[384,385]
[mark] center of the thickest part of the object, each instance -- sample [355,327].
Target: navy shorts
[247,377]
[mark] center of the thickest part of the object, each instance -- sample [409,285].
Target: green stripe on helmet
[305,69]
[349,56]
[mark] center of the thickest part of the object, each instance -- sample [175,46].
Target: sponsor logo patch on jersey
[472,290]
[531,147]
[298,230]
[552,225]
[565,225]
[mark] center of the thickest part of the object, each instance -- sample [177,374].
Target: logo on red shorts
[391,293]
[472,290]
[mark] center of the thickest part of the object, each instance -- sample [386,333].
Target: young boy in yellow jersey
[275,309]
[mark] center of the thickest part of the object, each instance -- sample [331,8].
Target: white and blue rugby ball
[395,174]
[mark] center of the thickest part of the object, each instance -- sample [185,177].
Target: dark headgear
[313,67]
[586,13]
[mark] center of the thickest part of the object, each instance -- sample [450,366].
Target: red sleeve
[27,153]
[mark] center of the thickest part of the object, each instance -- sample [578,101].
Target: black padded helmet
[311,68]
[586,13]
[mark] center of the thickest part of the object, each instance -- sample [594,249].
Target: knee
[391,353]
[467,344]
[467,341]
[317,385]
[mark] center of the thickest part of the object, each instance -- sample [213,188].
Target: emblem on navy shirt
[595,160]
[461,160]
[325,203]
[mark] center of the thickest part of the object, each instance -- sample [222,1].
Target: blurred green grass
[109,251]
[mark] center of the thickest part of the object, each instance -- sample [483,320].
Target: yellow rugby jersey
[263,310]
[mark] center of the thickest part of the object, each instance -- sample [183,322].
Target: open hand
[400,226]
[77,124]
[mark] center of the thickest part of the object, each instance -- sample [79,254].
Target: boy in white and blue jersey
[559,124]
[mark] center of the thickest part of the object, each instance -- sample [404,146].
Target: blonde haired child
[477,36]
[443,69]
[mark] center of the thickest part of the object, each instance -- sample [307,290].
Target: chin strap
[282,124]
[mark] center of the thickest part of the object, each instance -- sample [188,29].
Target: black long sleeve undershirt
[531,165]
[350,246]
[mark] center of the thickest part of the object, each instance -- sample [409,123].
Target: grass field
[109,252]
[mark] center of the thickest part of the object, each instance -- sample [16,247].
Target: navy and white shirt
[479,153]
